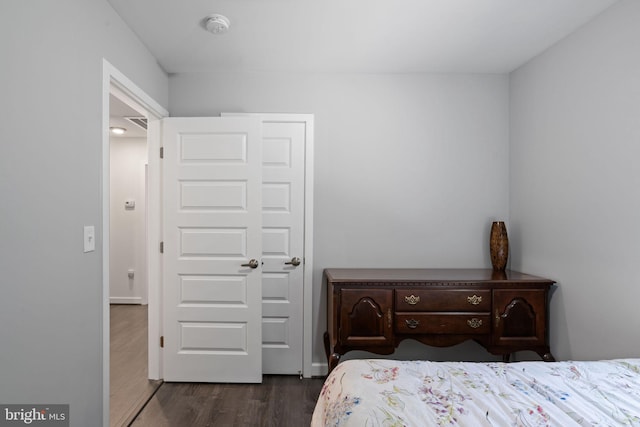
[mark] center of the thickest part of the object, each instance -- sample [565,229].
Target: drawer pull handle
[412,323]
[474,323]
[412,299]
[474,299]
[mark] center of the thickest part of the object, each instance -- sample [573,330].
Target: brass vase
[499,245]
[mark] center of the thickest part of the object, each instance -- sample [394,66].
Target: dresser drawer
[447,323]
[443,300]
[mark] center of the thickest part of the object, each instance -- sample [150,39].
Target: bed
[379,392]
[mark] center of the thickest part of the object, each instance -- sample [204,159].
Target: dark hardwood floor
[280,401]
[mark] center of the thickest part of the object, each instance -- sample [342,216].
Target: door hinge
[162,341]
[162,152]
[161,247]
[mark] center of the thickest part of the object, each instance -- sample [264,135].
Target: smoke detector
[217,24]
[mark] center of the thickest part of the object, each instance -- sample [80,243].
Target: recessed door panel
[213,337]
[276,152]
[275,287]
[210,242]
[275,242]
[275,332]
[213,290]
[213,147]
[213,195]
[276,197]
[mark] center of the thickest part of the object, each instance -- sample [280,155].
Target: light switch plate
[89,238]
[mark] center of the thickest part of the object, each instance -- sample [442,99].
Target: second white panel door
[283,193]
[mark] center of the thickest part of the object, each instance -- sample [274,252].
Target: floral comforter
[376,393]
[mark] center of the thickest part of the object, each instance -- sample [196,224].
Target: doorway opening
[137,210]
[130,387]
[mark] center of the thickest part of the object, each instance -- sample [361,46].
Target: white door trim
[116,83]
[307,351]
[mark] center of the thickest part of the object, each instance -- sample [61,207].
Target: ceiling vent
[138,121]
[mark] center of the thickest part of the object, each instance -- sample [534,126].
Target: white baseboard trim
[319,369]
[125,300]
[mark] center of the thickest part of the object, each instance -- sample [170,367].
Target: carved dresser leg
[333,361]
[327,350]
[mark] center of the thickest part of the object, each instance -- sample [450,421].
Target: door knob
[295,261]
[253,263]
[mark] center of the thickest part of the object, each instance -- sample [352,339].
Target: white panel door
[212,232]
[283,193]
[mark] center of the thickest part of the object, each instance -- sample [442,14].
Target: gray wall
[50,187]
[575,183]
[410,170]
[127,227]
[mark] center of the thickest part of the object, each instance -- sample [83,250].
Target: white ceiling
[370,36]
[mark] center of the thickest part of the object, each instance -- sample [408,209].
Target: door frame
[307,298]
[116,83]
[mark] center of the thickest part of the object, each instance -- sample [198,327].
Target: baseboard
[319,369]
[125,300]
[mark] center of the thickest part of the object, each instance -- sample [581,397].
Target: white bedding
[381,392]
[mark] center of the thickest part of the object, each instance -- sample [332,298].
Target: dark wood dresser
[375,309]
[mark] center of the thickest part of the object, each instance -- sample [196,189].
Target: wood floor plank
[129,386]
[280,401]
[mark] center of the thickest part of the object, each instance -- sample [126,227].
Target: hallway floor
[129,389]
